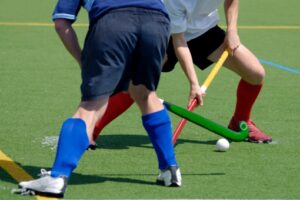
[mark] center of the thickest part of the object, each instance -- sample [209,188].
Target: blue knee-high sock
[158,127]
[72,143]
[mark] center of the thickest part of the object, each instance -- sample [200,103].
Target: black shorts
[200,48]
[125,44]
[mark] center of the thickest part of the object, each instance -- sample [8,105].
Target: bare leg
[247,66]
[244,63]
[90,112]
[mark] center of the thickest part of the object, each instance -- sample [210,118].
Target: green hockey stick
[208,124]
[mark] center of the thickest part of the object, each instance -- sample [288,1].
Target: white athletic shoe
[170,177]
[46,185]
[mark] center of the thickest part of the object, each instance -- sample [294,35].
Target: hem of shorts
[97,97]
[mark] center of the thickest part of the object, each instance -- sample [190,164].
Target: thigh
[244,63]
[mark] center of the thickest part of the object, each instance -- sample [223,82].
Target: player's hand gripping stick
[203,88]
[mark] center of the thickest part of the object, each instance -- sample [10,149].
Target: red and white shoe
[255,134]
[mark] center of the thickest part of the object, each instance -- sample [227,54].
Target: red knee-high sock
[117,104]
[246,96]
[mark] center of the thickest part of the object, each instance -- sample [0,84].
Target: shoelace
[44,173]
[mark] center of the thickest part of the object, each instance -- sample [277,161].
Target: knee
[259,76]
[255,75]
[245,63]
[140,96]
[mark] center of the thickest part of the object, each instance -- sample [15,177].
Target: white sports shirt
[193,17]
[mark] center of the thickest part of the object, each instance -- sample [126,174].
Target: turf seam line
[38,24]
[247,27]
[282,67]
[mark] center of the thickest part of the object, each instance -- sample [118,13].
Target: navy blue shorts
[125,44]
[200,48]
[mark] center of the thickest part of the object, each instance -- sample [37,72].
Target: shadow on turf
[122,141]
[78,179]
[114,142]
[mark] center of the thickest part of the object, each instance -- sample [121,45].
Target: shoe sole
[47,194]
[162,183]
[259,141]
[32,192]
[92,147]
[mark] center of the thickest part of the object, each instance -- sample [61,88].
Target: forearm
[232,40]
[231,8]
[185,58]
[186,62]
[69,38]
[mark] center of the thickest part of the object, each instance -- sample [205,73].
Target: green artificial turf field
[39,88]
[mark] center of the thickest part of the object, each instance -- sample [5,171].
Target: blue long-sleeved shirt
[68,9]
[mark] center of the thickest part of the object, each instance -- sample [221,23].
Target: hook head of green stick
[244,130]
